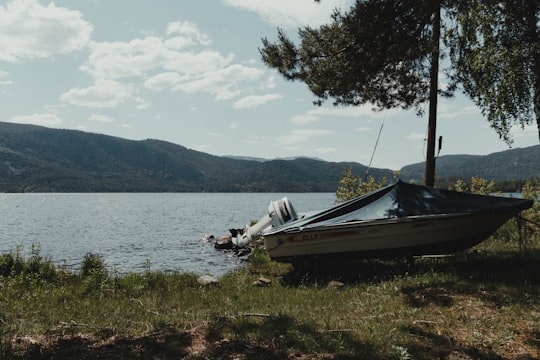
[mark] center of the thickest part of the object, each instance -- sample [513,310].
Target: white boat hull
[408,236]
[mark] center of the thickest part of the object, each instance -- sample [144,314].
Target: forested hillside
[39,159]
[509,165]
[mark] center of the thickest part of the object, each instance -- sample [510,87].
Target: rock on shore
[225,244]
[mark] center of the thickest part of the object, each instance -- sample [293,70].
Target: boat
[399,220]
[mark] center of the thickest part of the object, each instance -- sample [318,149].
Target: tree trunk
[429,175]
[534,39]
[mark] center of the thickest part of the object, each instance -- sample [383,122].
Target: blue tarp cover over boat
[402,217]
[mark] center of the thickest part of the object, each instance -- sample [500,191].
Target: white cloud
[141,103]
[163,81]
[101,118]
[301,135]
[222,83]
[51,120]
[193,63]
[325,150]
[304,119]
[292,14]
[362,129]
[166,66]
[54,108]
[142,57]
[528,130]
[115,60]
[446,111]
[271,82]
[252,101]
[103,94]
[253,140]
[189,32]
[4,74]
[30,30]
[365,111]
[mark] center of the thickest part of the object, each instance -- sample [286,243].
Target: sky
[190,72]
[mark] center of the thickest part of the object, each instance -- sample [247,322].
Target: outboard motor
[279,212]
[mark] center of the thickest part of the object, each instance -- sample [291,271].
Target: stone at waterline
[224,243]
[336,285]
[262,282]
[207,280]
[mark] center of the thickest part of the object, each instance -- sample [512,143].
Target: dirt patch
[165,344]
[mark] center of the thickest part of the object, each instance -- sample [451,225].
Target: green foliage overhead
[495,50]
[378,53]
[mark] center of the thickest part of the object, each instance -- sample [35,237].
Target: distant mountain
[39,159]
[237,157]
[509,165]
[249,158]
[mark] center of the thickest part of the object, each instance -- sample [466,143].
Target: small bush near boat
[7,264]
[93,265]
[35,266]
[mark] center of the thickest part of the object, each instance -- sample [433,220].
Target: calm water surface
[132,230]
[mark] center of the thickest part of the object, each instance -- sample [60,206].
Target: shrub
[38,266]
[478,185]
[7,262]
[93,265]
[351,186]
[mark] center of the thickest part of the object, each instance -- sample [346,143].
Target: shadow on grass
[496,280]
[166,343]
[535,339]
[281,337]
[435,346]
[500,280]
[502,268]
[252,337]
[316,273]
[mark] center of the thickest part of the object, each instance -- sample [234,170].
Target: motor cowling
[279,212]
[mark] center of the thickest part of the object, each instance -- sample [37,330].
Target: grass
[480,305]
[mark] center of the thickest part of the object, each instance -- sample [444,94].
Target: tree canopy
[495,50]
[382,52]
[378,52]
[385,52]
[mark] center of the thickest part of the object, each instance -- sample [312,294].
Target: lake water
[133,230]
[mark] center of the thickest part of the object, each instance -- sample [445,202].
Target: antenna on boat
[374,148]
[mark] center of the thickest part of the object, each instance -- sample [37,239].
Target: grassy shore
[481,305]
